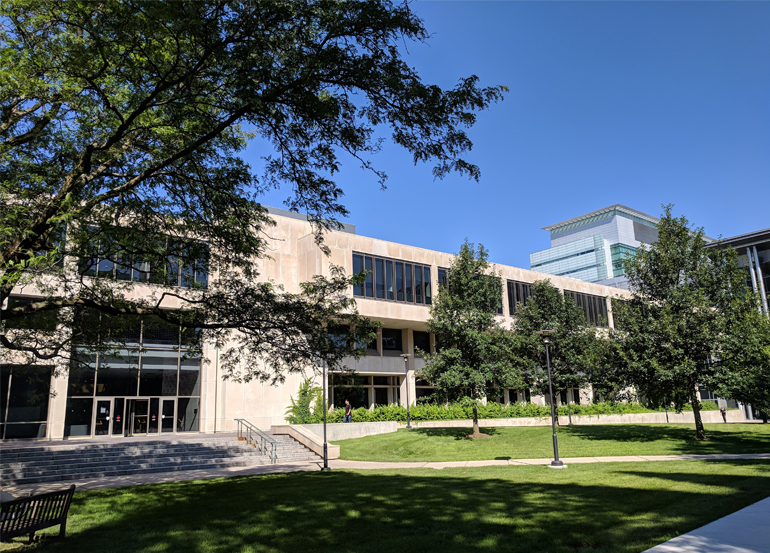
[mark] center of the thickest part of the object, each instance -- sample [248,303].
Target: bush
[299,410]
[458,411]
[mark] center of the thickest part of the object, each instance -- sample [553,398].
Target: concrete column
[209,389]
[761,280]
[57,405]
[610,318]
[751,272]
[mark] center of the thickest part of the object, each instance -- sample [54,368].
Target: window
[399,281]
[421,341]
[379,276]
[24,395]
[364,391]
[152,358]
[184,263]
[391,339]
[392,280]
[41,320]
[443,277]
[525,396]
[594,307]
[518,293]
[619,252]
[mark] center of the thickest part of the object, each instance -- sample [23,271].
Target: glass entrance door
[102,417]
[167,416]
[138,414]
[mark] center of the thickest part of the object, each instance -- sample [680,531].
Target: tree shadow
[682,438]
[456,433]
[454,510]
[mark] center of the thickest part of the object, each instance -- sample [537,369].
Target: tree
[121,125]
[747,351]
[574,346]
[473,358]
[678,328]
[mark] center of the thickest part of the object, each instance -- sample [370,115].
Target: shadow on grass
[720,440]
[456,433]
[492,510]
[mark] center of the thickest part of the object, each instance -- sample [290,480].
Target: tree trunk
[475,421]
[700,432]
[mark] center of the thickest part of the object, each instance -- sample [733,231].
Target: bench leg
[62,530]
[31,537]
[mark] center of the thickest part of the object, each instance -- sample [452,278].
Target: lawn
[521,442]
[614,507]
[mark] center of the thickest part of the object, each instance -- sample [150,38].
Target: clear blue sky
[637,103]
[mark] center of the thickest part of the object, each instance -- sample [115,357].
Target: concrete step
[79,461]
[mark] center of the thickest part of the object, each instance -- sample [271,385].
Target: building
[159,386]
[754,251]
[591,247]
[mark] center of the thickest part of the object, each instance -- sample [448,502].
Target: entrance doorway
[137,412]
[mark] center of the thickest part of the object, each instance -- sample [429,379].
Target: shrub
[459,411]
[299,410]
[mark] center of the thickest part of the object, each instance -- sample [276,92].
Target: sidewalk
[744,531]
[341,464]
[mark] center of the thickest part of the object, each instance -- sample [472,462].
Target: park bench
[27,515]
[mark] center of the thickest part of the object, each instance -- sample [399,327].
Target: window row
[594,307]
[132,373]
[518,293]
[173,262]
[138,331]
[364,391]
[392,341]
[391,280]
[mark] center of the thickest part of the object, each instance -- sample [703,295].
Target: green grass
[450,444]
[614,507]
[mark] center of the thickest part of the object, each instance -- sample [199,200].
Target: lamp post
[325,408]
[545,334]
[406,380]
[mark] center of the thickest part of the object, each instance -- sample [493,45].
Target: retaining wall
[345,431]
[735,415]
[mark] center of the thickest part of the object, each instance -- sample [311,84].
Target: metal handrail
[261,441]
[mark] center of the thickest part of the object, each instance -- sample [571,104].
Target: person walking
[724,413]
[348,412]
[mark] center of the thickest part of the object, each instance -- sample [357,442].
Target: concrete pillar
[209,390]
[761,281]
[751,272]
[57,405]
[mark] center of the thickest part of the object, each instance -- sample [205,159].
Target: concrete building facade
[164,391]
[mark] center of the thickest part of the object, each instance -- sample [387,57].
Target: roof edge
[616,207]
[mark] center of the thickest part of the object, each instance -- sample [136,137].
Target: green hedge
[456,411]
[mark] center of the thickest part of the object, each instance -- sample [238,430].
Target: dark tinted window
[391,339]
[421,341]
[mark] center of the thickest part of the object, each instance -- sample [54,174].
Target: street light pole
[323,393]
[556,463]
[406,380]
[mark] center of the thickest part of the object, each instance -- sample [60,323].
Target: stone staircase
[53,463]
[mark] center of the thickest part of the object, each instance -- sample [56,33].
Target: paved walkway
[340,464]
[744,531]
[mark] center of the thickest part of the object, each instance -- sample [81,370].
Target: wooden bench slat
[30,514]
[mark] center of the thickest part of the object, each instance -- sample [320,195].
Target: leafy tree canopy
[121,125]
[473,358]
[688,305]
[573,348]
[747,350]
